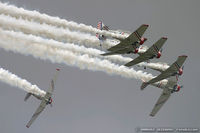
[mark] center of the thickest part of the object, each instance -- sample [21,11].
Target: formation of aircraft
[131,44]
[45,100]
[166,80]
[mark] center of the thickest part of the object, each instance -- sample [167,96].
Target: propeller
[179,87]
[179,76]
[50,102]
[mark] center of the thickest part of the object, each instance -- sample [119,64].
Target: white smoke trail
[59,34]
[71,47]
[14,80]
[56,21]
[9,41]
[51,32]
[156,66]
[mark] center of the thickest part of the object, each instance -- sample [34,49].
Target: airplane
[130,44]
[153,52]
[102,26]
[175,69]
[45,100]
[168,88]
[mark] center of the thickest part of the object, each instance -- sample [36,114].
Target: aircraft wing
[44,102]
[52,85]
[150,53]
[123,50]
[37,113]
[141,58]
[161,101]
[131,39]
[169,72]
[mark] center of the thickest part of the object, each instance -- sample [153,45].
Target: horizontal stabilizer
[27,96]
[144,85]
[109,53]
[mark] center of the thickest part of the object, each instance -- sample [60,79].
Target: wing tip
[146,25]
[183,56]
[127,65]
[152,115]
[164,38]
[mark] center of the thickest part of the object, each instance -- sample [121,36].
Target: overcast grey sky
[94,102]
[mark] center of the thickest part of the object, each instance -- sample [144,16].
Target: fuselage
[48,100]
[171,85]
[164,84]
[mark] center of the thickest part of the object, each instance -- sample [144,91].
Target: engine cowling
[180,71]
[142,40]
[50,101]
[177,88]
[158,54]
[135,51]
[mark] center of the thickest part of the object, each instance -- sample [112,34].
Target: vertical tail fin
[27,96]
[102,26]
[99,25]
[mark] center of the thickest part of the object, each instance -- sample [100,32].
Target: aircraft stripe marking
[137,35]
[177,66]
[155,48]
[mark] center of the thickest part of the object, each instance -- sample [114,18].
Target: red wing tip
[146,25]
[164,37]
[27,126]
[57,69]
[183,56]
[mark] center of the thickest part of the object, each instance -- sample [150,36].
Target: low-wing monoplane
[102,26]
[130,44]
[153,52]
[168,88]
[175,69]
[45,100]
